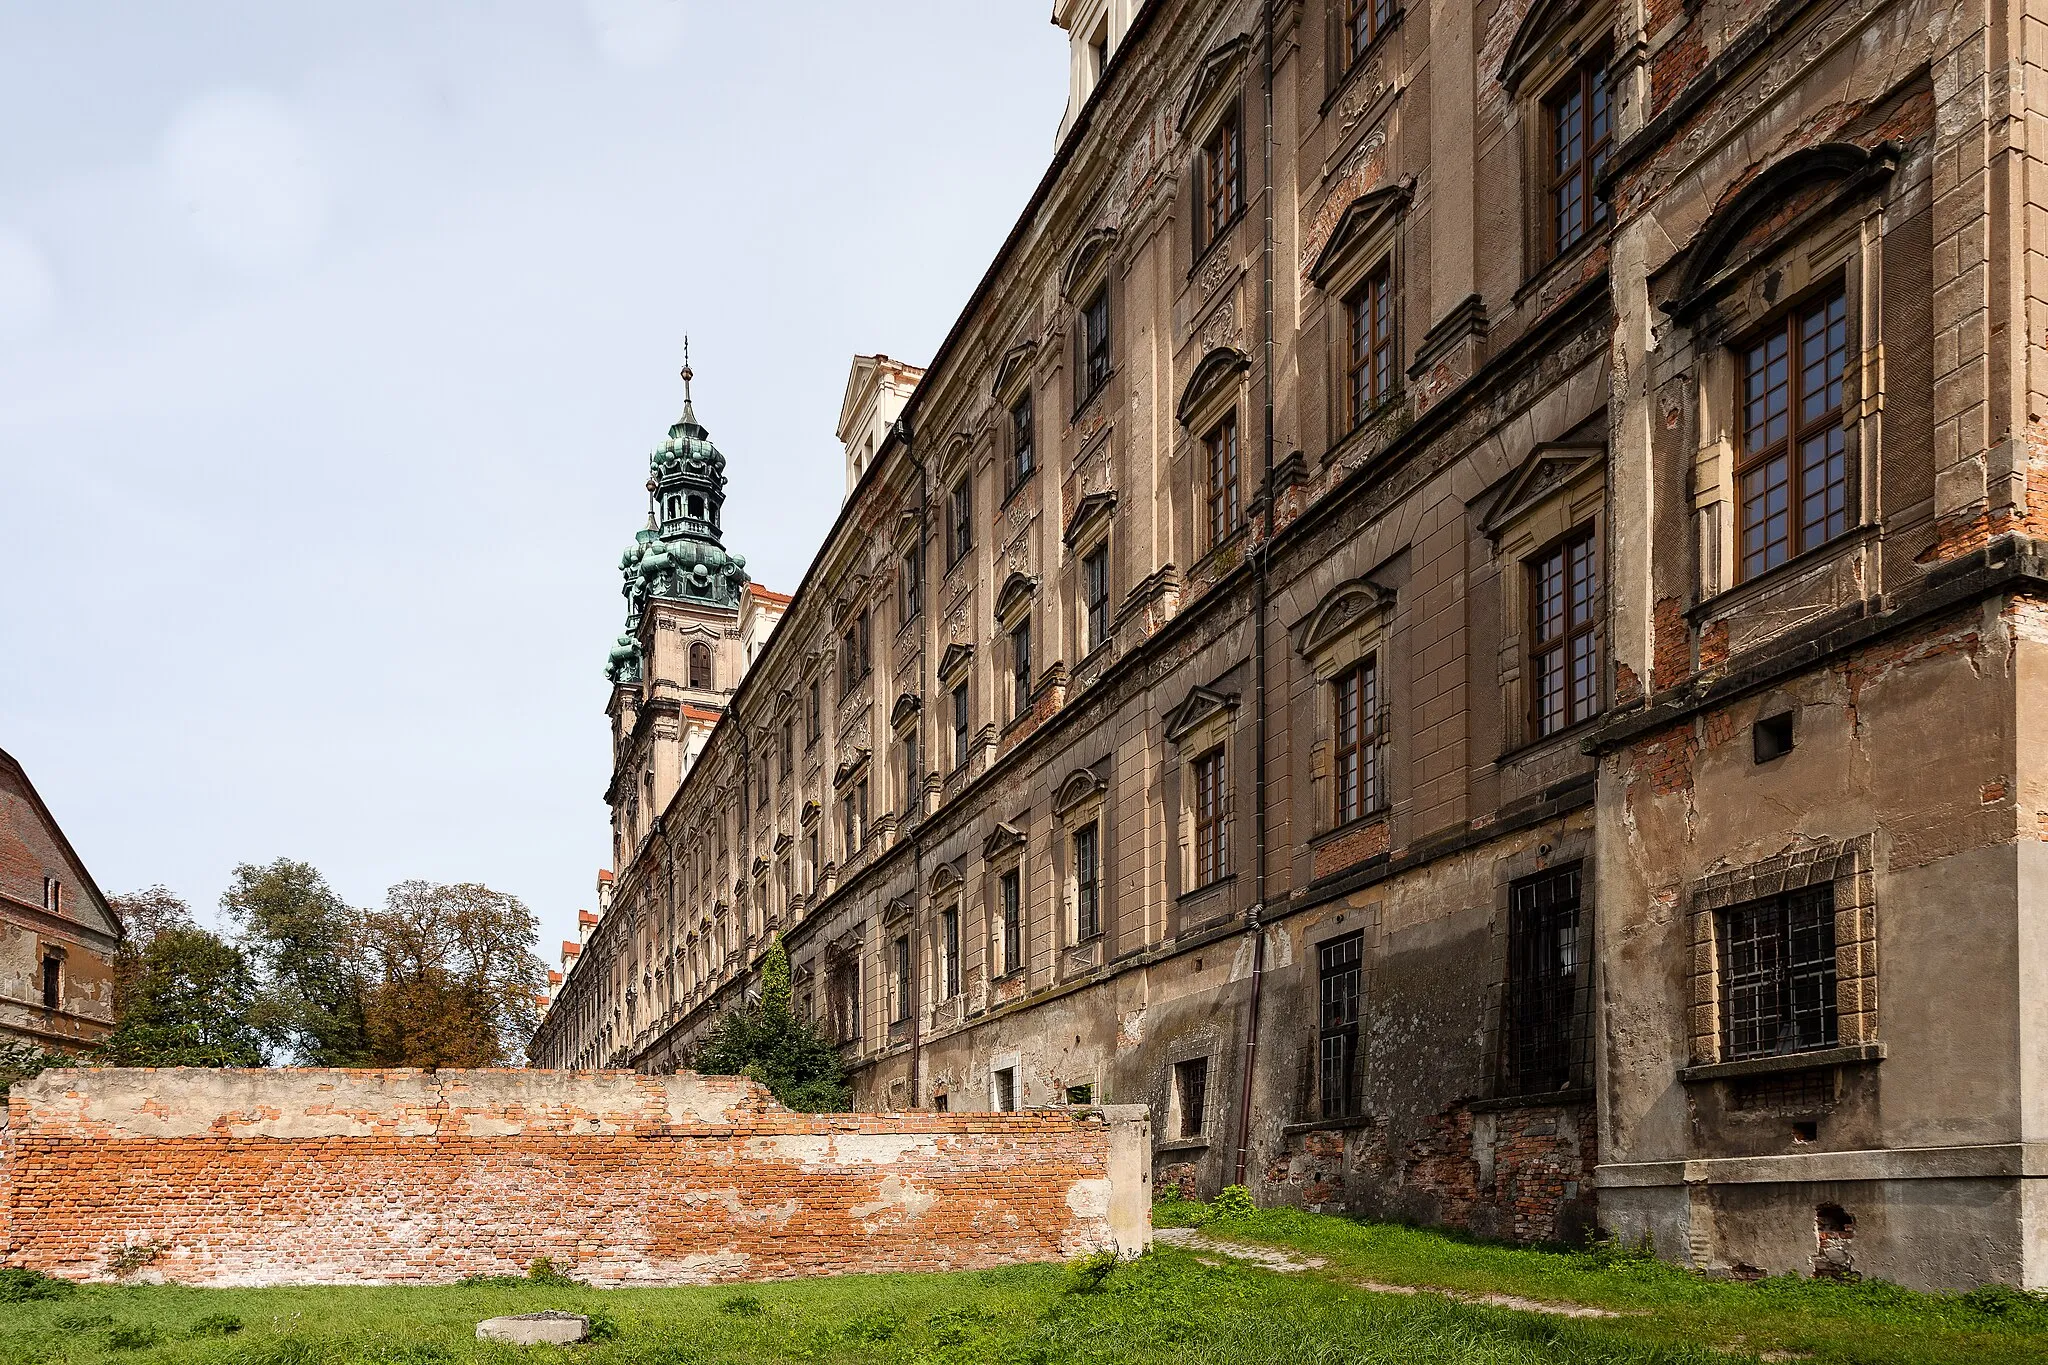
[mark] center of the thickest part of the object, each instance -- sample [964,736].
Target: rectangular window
[913,762]
[1006,1089]
[960,719]
[1226,507]
[1564,663]
[1020,669]
[817,713]
[864,642]
[902,979]
[761,796]
[1778,974]
[960,522]
[1191,1095]
[1356,762]
[911,600]
[1580,127]
[788,745]
[1364,21]
[53,895]
[849,661]
[813,861]
[1023,451]
[1794,475]
[53,981]
[1222,177]
[1012,894]
[1369,345]
[1095,598]
[1547,1010]
[1341,972]
[949,953]
[1081,1094]
[1087,883]
[1211,860]
[1094,344]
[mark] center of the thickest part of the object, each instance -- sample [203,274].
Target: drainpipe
[1261,555]
[906,433]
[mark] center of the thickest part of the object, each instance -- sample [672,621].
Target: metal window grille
[1341,970]
[1226,506]
[1548,1004]
[1191,1090]
[1006,1089]
[1211,817]
[1357,757]
[1794,477]
[1564,654]
[1778,974]
[1087,884]
[1581,127]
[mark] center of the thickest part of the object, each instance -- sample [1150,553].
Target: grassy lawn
[1176,1304]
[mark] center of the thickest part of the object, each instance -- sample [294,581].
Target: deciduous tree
[456,977]
[308,948]
[189,1004]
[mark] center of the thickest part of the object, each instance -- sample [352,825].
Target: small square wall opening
[1772,737]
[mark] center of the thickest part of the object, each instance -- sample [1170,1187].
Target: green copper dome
[680,556]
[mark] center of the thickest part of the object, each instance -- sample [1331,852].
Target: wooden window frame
[1087,881]
[1372,375]
[910,569]
[949,952]
[1580,623]
[1588,85]
[1095,598]
[1223,470]
[1095,337]
[960,521]
[1010,917]
[1210,803]
[1363,23]
[903,972]
[1023,462]
[1355,742]
[1020,670]
[1831,307]
[1220,187]
[1340,989]
[963,725]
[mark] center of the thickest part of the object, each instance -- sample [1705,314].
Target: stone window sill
[1328,1125]
[1856,1054]
[1186,1144]
[1553,1099]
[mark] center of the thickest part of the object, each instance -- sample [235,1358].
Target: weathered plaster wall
[324,1177]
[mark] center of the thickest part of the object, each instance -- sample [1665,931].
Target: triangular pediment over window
[1545,20]
[1198,706]
[953,660]
[1548,467]
[1001,840]
[1091,506]
[1015,362]
[1217,69]
[1341,608]
[896,911]
[1362,221]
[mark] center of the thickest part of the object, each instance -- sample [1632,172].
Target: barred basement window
[1778,974]
[1006,1089]
[1547,1007]
[1794,477]
[1087,883]
[1211,856]
[1191,1095]
[53,980]
[1357,758]
[1340,967]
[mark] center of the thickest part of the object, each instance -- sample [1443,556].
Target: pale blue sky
[333,338]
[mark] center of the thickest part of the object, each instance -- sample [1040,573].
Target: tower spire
[689,408]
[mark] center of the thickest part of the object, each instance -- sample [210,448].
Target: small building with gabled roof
[57,933]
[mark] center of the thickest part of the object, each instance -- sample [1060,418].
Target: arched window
[700,665]
[697,506]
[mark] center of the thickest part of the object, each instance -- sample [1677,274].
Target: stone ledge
[1857,1054]
[1990,1161]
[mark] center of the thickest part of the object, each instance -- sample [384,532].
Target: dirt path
[1287,1263]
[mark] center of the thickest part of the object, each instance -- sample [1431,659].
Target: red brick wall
[324,1177]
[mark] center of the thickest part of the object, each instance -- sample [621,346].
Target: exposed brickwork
[1671,645]
[1350,849]
[303,1177]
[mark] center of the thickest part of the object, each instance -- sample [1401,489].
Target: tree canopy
[188,1003]
[307,946]
[766,1041]
[455,976]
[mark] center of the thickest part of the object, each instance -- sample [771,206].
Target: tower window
[697,506]
[700,665]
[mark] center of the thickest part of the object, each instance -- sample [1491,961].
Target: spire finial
[688,373]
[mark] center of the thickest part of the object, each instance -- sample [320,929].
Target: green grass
[1169,1306]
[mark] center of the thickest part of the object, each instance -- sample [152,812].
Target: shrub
[19,1285]
[545,1272]
[877,1324]
[1234,1202]
[135,1256]
[134,1336]
[742,1306]
[603,1327]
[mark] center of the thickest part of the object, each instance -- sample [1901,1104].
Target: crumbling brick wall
[365,1177]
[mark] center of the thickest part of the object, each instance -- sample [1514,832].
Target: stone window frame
[1087,533]
[1836,241]
[1550,852]
[1090,278]
[1554,41]
[1367,236]
[1201,725]
[1003,854]
[1520,531]
[1847,865]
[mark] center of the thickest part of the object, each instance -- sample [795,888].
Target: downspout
[1260,560]
[906,433]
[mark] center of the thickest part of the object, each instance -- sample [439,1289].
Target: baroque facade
[1454,615]
[57,935]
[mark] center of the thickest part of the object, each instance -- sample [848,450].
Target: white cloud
[637,32]
[242,173]
[28,291]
